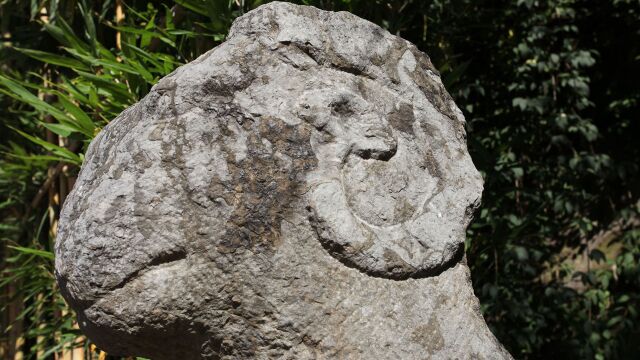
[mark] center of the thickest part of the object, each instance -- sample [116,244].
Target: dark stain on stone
[429,336]
[142,160]
[304,49]
[263,187]
[225,86]
[402,118]
[329,58]
[430,162]
[117,173]
[363,89]
[403,210]
[389,61]
[395,264]
[435,92]
[341,108]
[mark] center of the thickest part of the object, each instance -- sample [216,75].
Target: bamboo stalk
[15,339]
[119,20]
[53,197]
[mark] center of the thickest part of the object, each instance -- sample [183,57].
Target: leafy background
[549,89]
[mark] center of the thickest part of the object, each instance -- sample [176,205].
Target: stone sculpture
[300,192]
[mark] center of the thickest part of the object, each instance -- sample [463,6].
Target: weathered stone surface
[300,192]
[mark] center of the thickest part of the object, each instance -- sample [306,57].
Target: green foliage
[70,83]
[549,90]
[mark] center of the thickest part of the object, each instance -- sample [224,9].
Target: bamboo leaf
[82,119]
[54,59]
[74,91]
[41,253]
[17,91]
[90,26]
[60,129]
[145,33]
[65,35]
[112,65]
[114,88]
[55,149]
[142,71]
[196,6]
[145,55]
[33,158]
[9,227]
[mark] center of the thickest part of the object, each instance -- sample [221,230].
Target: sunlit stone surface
[300,192]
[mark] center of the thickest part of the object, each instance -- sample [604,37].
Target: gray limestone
[299,192]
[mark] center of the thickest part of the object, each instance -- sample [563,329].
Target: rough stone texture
[299,192]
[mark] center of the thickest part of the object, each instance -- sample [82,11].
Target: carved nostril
[377,143]
[385,155]
[381,133]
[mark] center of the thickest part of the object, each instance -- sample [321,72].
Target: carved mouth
[160,261]
[114,282]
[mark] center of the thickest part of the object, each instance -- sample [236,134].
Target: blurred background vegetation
[550,90]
